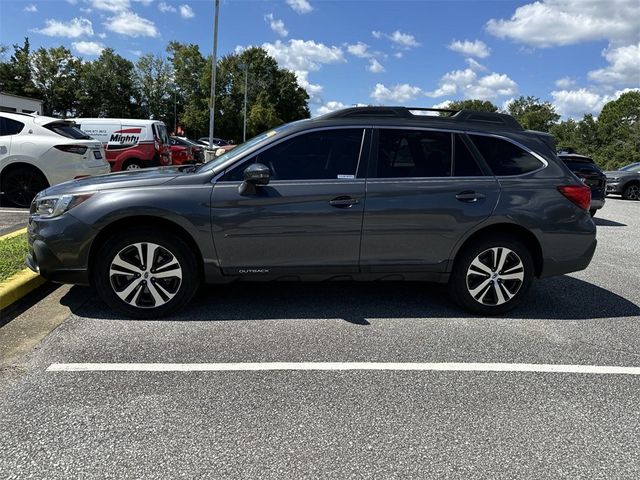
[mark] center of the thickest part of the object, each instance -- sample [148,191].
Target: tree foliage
[533,114]
[56,75]
[153,79]
[474,104]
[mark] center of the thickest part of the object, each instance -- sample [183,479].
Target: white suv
[37,152]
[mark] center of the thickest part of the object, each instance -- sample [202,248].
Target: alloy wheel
[495,276]
[633,192]
[145,275]
[22,187]
[133,166]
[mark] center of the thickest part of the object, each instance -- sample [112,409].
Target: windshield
[634,167]
[240,149]
[162,132]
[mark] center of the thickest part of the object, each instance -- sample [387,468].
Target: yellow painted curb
[13,234]
[17,286]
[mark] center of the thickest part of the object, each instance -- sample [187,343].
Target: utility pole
[245,67]
[175,115]
[212,104]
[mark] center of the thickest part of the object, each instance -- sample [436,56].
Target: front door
[308,219]
[424,191]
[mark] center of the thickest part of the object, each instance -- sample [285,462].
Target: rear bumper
[596,204]
[578,261]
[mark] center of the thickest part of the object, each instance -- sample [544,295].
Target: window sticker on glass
[346,177]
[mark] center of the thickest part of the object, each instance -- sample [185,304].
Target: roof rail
[470,116]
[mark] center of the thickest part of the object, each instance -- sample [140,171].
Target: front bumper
[615,188]
[59,249]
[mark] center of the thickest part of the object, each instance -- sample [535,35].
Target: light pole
[245,67]
[212,104]
[175,109]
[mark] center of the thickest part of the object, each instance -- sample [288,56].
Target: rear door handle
[469,196]
[343,202]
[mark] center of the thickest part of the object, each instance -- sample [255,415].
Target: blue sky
[577,54]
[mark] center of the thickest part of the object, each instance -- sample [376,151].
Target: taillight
[578,194]
[77,149]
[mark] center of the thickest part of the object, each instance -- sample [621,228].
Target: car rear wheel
[146,274]
[21,184]
[492,275]
[132,165]
[631,192]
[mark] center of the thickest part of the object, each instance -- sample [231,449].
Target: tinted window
[464,165]
[327,154]
[68,130]
[10,127]
[503,157]
[413,153]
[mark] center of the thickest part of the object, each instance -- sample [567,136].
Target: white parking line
[332,366]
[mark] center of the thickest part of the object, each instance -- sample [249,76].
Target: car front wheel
[146,274]
[632,192]
[492,276]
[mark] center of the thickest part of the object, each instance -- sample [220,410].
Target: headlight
[613,179]
[50,207]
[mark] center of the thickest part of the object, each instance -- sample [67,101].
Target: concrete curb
[18,286]
[13,234]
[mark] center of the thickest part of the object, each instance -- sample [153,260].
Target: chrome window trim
[259,150]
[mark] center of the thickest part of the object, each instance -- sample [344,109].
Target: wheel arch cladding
[144,221]
[510,229]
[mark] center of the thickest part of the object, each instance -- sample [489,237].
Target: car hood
[620,173]
[129,179]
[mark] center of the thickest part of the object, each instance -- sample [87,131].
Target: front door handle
[343,202]
[469,196]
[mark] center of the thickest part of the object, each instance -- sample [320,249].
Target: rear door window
[10,127]
[503,157]
[413,153]
[464,165]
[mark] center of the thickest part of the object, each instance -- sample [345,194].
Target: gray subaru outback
[371,193]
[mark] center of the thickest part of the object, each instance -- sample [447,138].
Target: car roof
[37,119]
[575,156]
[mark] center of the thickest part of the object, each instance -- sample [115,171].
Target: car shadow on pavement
[557,298]
[603,222]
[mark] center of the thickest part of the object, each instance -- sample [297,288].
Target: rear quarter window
[503,157]
[10,127]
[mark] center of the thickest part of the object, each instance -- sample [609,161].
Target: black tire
[21,184]
[592,212]
[132,164]
[631,192]
[460,289]
[139,304]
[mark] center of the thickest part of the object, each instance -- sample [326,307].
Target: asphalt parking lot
[334,423]
[12,219]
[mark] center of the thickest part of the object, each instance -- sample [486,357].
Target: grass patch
[12,254]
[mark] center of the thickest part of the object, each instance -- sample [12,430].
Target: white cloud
[164,7]
[276,25]
[398,54]
[313,89]
[445,104]
[376,34]
[186,11]
[375,66]
[102,35]
[405,40]
[467,83]
[303,55]
[474,65]
[399,93]
[476,48]
[565,82]
[300,6]
[359,49]
[624,66]
[564,22]
[577,103]
[146,3]
[137,53]
[132,25]
[75,28]
[114,6]
[329,107]
[30,8]
[88,48]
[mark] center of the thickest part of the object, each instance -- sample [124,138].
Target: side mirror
[257,174]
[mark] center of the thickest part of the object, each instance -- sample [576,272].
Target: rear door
[308,219]
[425,190]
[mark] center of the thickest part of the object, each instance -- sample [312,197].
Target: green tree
[56,74]
[618,131]
[473,104]
[153,78]
[108,88]
[15,75]
[273,97]
[533,114]
[191,96]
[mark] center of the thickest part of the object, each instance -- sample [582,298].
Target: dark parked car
[367,193]
[217,142]
[586,170]
[625,182]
